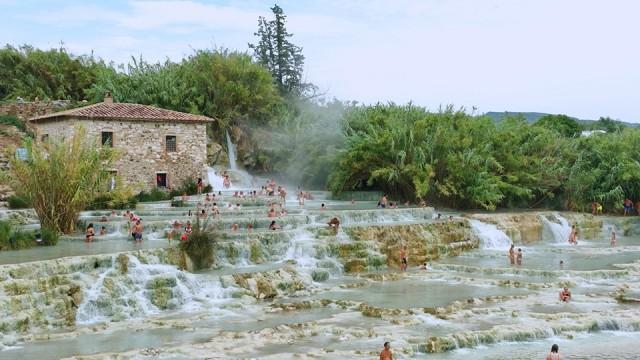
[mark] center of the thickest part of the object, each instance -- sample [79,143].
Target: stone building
[157,147]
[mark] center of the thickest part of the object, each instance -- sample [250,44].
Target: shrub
[18,202]
[60,177]
[49,237]
[177,203]
[12,239]
[154,195]
[13,121]
[199,245]
[108,201]
[5,235]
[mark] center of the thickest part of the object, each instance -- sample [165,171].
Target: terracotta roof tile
[124,111]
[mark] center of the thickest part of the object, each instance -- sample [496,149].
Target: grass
[13,239]
[18,202]
[199,245]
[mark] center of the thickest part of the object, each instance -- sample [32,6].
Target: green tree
[278,54]
[609,125]
[222,84]
[46,74]
[563,124]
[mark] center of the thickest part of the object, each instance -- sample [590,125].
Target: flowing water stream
[311,292]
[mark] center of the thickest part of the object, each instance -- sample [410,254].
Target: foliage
[13,121]
[464,161]
[280,56]
[564,125]
[154,194]
[46,74]
[609,125]
[49,237]
[199,245]
[178,203]
[18,202]
[225,85]
[60,178]
[12,239]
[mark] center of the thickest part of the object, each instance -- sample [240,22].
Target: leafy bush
[49,237]
[18,202]
[199,245]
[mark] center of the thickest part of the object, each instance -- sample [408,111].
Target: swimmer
[423,266]
[565,295]
[519,257]
[103,231]
[89,233]
[334,223]
[274,226]
[561,264]
[386,354]
[234,227]
[553,355]
[613,238]
[403,258]
[512,254]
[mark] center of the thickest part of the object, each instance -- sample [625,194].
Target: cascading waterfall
[301,249]
[490,236]
[560,230]
[231,149]
[143,290]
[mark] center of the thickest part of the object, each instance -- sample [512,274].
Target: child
[519,258]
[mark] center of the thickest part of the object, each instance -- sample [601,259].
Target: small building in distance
[157,147]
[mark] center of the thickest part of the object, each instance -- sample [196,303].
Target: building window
[161,180]
[44,137]
[170,143]
[107,138]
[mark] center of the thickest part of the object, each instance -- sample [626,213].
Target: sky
[575,57]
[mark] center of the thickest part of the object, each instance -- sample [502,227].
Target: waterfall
[143,290]
[490,236]
[301,249]
[559,230]
[216,181]
[231,149]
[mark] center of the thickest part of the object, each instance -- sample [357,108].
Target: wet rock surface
[309,292]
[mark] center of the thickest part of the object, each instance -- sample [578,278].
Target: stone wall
[141,146]
[26,110]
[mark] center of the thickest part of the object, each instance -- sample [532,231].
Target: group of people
[627,207]
[178,229]
[515,257]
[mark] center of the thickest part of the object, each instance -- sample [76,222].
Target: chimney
[108,99]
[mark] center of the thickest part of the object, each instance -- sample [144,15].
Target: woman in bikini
[89,233]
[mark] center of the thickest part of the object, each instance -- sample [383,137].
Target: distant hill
[532,117]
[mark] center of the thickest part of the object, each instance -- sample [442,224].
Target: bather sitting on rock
[334,223]
[565,295]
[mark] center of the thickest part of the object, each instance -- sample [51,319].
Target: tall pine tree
[280,56]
